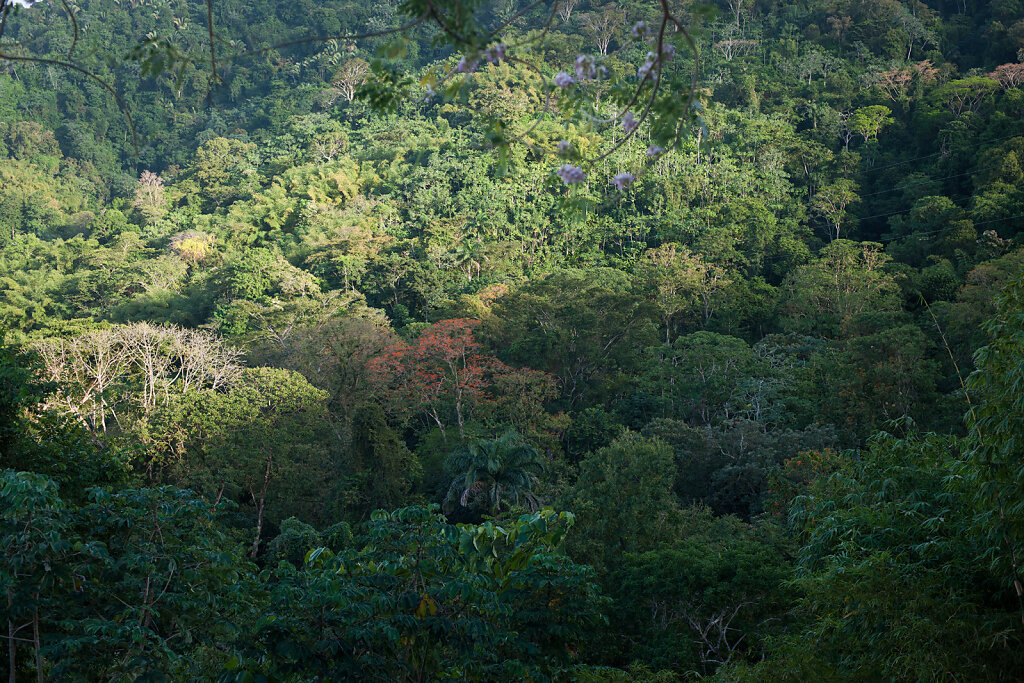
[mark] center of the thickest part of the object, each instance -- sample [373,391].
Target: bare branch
[74,67]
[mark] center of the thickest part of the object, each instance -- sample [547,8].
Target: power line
[923,182]
[931,232]
[940,230]
[995,220]
[932,180]
[884,215]
[929,156]
[901,211]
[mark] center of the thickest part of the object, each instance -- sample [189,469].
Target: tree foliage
[348,261]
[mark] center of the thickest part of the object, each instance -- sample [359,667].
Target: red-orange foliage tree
[796,476]
[445,377]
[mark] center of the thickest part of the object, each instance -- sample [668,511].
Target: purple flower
[645,69]
[585,67]
[564,80]
[571,174]
[564,147]
[629,124]
[466,66]
[494,53]
[654,150]
[622,181]
[640,29]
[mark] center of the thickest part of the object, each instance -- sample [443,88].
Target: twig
[213,54]
[324,39]
[521,13]
[74,23]
[103,84]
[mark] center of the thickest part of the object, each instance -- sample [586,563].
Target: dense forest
[336,348]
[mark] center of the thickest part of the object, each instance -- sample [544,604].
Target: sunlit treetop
[657,96]
[654,93]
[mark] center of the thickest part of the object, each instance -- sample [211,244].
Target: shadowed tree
[383,468]
[623,501]
[490,474]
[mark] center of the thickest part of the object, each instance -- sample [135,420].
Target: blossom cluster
[586,67]
[629,123]
[495,53]
[641,30]
[667,51]
[571,174]
[622,181]
[564,80]
[469,63]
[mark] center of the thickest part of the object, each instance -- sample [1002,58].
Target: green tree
[132,584]
[17,392]
[700,378]
[494,474]
[266,443]
[996,421]
[35,536]
[831,203]
[225,170]
[868,122]
[965,94]
[846,280]
[623,501]
[384,470]
[884,376]
[714,594]
[293,542]
[34,439]
[975,303]
[420,599]
[681,283]
[888,566]
[583,327]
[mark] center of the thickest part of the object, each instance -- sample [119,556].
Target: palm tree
[468,256]
[490,473]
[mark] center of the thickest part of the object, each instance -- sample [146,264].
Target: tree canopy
[574,340]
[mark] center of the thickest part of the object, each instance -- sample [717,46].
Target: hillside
[506,341]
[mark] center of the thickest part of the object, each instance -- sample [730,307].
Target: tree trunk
[458,417]
[260,505]
[13,659]
[440,425]
[38,645]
